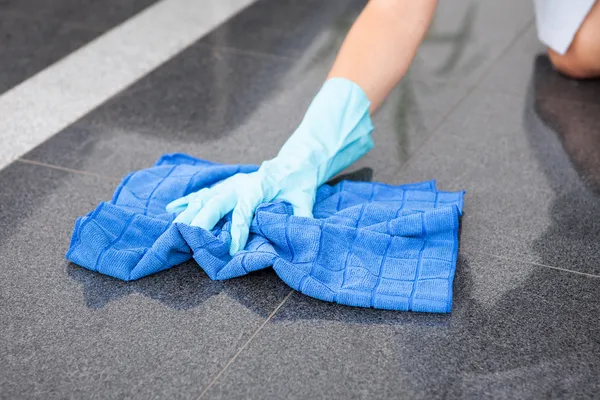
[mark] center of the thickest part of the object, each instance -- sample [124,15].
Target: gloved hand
[335,132]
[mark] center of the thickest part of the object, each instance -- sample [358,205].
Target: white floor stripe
[48,102]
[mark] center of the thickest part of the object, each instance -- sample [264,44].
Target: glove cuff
[337,118]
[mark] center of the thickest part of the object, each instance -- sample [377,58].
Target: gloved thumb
[240,225]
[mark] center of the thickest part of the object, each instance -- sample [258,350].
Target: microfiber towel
[368,245]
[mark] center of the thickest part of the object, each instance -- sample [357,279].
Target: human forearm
[381,45]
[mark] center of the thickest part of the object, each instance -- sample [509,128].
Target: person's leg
[582,59]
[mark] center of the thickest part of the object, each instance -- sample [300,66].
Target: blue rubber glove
[335,132]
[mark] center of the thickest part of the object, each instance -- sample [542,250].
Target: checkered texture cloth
[368,245]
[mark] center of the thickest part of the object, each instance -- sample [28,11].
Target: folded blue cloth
[368,245]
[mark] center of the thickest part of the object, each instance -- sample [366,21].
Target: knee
[580,60]
[570,65]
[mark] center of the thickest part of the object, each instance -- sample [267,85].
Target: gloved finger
[194,207]
[215,209]
[177,206]
[240,223]
[302,202]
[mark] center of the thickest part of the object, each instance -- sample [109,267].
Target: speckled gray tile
[515,156]
[200,102]
[288,28]
[92,13]
[513,74]
[516,331]
[70,333]
[27,46]
[411,112]
[230,107]
[466,37]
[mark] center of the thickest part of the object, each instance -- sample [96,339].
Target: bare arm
[381,45]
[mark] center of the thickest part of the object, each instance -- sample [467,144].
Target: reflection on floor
[481,109]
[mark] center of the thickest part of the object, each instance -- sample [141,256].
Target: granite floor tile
[513,74]
[467,36]
[69,332]
[230,107]
[288,28]
[27,46]
[101,15]
[516,331]
[530,168]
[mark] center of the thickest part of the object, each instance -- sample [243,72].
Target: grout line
[536,264]
[59,95]
[75,171]
[232,360]
[253,53]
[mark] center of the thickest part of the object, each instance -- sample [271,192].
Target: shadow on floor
[565,138]
[360,175]
[514,329]
[182,287]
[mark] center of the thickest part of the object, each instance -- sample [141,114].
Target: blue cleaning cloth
[368,245]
